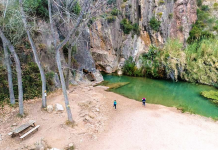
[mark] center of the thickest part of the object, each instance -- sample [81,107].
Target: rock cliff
[110,47]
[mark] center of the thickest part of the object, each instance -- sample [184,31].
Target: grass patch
[112,85]
[116,85]
[70,124]
[22,116]
[103,83]
[185,108]
[211,95]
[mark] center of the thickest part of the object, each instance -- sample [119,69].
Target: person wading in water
[115,104]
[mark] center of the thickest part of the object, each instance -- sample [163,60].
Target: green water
[173,94]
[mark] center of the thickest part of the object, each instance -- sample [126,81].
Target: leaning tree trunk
[18,69]
[10,83]
[58,61]
[42,73]
[69,66]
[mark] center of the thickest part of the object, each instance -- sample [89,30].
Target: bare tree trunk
[58,60]
[69,49]
[10,83]
[18,69]
[69,66]
[42,73]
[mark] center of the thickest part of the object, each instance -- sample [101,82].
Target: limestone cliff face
[110,47]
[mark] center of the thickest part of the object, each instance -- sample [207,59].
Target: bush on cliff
[76,8]
[154,24]
[126,26]
[202,27]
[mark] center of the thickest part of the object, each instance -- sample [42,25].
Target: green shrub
[161,2]
[215,6]
[170,16]
[111,2]
[36,7]
[160,14]
[154,24]
[115,12]
[136,29]
[111,19]
[91,21]
[181,28]
[124,0]
[76,8]
[129,67]
[205,8]
[199,3]
[126,26]
[215,28]
[197,33]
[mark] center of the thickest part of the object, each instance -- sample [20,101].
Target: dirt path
[133,127]
[100,127]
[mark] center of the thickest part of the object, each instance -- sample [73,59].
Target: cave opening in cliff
[139,12]
[89,75]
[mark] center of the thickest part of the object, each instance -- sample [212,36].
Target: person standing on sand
[143,101]
[115,104]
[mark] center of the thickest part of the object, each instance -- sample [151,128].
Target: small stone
[71,145]
[10,133]
[97,110]
[92,115]
[14,124]
[54,149]
[49,108]
[1,137]
[59,107]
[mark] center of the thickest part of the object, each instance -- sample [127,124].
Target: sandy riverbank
[100,127]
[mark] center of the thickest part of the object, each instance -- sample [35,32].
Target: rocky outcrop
[184,15]
[106,40]
[110,47]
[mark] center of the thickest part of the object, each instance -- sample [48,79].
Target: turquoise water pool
[173,94]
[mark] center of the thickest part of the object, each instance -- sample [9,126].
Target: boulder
[54,149]
[59,107]
[49,108]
